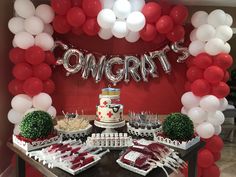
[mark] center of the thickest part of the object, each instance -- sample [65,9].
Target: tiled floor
[227,163]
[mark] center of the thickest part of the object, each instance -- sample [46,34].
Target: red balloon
[61,6]
[194,73]
[77,31]
[217,156]
[61,25]
[205,158]
[91,7]
[50,58]
[215,144]
[203,60]
[34,55]
[152,12]
[164,25]
[223,60]
[148,33]
[22,71]
[201,87]
[176,34]
[49,86]
[17,55]
[42,71]
[76,17]
[187,86]
[33,86]
[15,87]
[220,90]
[179,14]
[212,171]
[226,76]
[213,74]
[76,3]
[91,27]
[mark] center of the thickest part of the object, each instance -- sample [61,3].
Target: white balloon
[14,43]
[30,110]
[122,8]
[224,32]
[137,5]
[16,25]
[21,103]
[223,104]
[135,21]
[199,18]
[216,118]
[45,13]
[24,40]
[210,103]
[205,32]
[205,130]
[34,25]
[42,101]
[216,18]
[218,129]
[107,4]
[120,29]
[196,47]
[106,18]
[24,8]
[229,20]
[48,29]
[214,46]
[184,110]
[227,48]
[189,100]
[193,36]
[52,111]
[45,41]
[105,34]
[132,36]
[197,115]
[14,117]
[16,130]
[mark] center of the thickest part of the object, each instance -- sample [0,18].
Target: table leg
[192,165]
[20,167]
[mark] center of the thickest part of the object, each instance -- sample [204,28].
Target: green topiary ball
[36,124]
[178,126]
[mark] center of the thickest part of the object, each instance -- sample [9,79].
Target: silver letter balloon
[119,68]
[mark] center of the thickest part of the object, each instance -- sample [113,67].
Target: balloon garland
[205,99]
[206,87]
[33,59]
[129,19]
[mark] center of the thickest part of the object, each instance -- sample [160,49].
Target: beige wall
[5,72]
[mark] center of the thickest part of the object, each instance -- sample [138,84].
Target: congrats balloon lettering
[125,67]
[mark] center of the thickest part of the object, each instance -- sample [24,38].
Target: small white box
[27,146]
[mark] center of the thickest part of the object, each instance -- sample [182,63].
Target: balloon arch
[132,20]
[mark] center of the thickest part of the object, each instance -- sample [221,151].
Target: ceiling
[229,3]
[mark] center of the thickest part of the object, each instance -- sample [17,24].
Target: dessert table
[107,167]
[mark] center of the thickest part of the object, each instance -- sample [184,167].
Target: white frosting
[110,113]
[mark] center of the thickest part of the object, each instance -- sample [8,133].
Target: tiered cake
[109,110]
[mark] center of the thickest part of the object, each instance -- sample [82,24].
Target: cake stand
[110,127]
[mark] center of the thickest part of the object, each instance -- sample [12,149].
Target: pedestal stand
[110,127]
